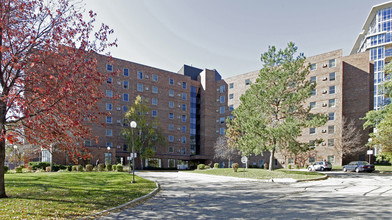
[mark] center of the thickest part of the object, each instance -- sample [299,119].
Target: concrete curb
[128,204]
[314,179]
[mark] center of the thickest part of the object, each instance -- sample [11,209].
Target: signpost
[244,161]
[370,153]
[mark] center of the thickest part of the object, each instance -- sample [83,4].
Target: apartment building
[344,90]
[191,106]
[376,37]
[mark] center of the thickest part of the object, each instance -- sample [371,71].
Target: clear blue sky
[227,35]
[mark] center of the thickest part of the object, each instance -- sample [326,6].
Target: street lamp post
[15,147]
[109,162]
[133,126]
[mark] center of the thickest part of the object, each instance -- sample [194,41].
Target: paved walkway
[196,196]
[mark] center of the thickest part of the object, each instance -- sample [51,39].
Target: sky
[227,35]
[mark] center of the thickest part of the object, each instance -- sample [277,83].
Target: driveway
[197,196]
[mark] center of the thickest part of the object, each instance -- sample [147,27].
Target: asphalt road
[195,196]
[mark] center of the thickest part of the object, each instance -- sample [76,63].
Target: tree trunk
[271,162]
[228,165]
[2,160]
[141,160]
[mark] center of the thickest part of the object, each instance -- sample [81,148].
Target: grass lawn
[384,168]
[261,173]
[68,195]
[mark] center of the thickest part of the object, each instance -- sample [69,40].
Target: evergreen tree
[271,115]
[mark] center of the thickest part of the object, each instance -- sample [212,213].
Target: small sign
[370,152]
[244,159]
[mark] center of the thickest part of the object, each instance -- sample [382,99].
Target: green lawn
[68,195]
[384,168]
[261,173]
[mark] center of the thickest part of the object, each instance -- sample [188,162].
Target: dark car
[358,166]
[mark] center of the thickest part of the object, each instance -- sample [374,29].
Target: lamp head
[133,124]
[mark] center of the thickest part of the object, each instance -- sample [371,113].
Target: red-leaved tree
[49,84]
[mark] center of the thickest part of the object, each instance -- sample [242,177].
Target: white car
[322,165]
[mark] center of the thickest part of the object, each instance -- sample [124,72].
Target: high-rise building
[376,37]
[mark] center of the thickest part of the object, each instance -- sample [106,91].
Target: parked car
[358,166]
[322,165]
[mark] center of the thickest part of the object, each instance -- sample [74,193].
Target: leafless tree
[223,150]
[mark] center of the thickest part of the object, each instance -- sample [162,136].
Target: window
[171,115]
[331,116]
[109,144]
[154,78]
[108,119]
[171,138]
[183,151]
[140,87]
[184,85]
[154,101]
[154,89]
[312,130]
[331,142]
[109,67]
[312,159]
[140,75]
[231,96]
[125,108]
[171,81]
[332,76]
[312,143]
[109,132]
[313,66]
[222,99]
[171,163]
[314,92]
[247,82]
[109,93]
[312,105]
[125,84]
[332,63]
[331,129]
[331,158]
[222,131]
[231,107]
[231,85]
[171,150]
[183,118]
[109,106]
[331,103]
[110,80]
[332,90]
[125,97]
[171,104]
[126,72]
[183,107]
[154,113]
[183,96]
[171,93]
[171,127]
[313,79]
[183,140]
[222,120]
[183,129]
[222,109]
[87,143]
[291,160]
[222,89]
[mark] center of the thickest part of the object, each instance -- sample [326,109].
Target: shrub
[89,168]
[109,167]
[216,165]
[235,166]
[114,167]
[47,169]
[101,167]
[201,167]
[69,168]
[74,168]
[266,166]
[289,166]
[119,168]
[39,165]
[80,168]
[297,166]
[5,169]
[19,170]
